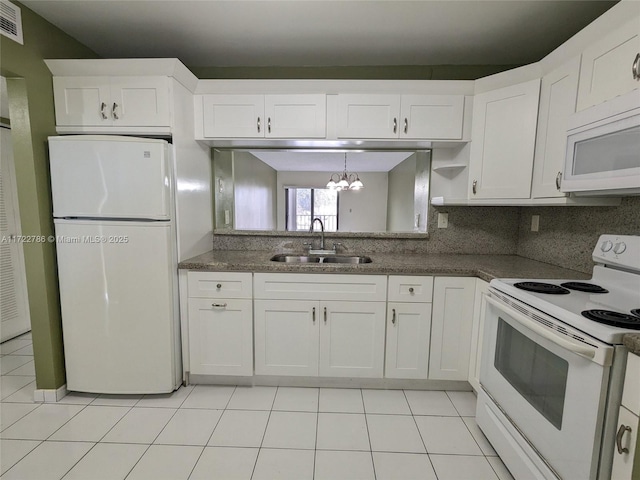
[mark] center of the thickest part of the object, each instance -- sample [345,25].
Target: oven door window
[537,374]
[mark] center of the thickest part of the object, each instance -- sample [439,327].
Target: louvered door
[14,316]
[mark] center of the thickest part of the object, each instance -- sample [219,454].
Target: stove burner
[615,319]
[636,312]
[584,287]
[540,287]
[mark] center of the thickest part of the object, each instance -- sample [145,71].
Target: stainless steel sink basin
[320,259]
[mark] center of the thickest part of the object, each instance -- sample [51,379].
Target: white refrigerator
[114,216]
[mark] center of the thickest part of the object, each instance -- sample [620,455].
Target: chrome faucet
[317,219]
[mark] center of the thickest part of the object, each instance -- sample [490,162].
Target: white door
[451,327]
[14,306]
[117,288]
[368,116]
[233,116]
[296,116]
[140,101]
[110,177]
[220,337]
[408,332]
[352,339]
[286,337]
[557,102]
[82,101]
[503,135]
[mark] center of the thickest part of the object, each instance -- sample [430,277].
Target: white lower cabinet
[220,321]
[627,445]
[451,327]
[305,327]
[477,331]
[408,327]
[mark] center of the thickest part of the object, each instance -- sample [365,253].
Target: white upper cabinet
[433,117]
[264,116]
[105,101]
[296,116]
[558,94]
[368,116]
[437,117]
[611,66]
[502,142]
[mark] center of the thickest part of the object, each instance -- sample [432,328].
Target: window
[305,204]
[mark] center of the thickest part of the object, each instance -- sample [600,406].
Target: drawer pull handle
[635,68]
[558,178]
[393,316]
[474,187]
[219,286]
[325,315]
[410,289]
[219,305]
[113,111]
[269,124]
[395,125]
[621,431]
[313,314]
[406,125]
[258,123]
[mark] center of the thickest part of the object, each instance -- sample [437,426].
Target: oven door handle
[532,325]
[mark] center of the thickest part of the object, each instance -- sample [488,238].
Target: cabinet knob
[474,186]
[410,289]
[635,68]
[621,431]
[219,286]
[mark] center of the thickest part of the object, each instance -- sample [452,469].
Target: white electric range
[553,365]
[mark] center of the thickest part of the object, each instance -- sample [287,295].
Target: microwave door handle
[584,351]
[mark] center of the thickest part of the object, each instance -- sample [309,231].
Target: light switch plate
[535,223]
[443,220]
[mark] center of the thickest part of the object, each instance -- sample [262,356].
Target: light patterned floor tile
[430,402]
[465,403]
[140,425]
[166,400]
[10,384]
[99,463]
[394,433]
[209,396]
[91,424]
[342,431]
[189,427]
[252,398]
[166,462]
[284,464]
[479,437]
[457,467]
[341,400]
[12,451]
[296,399]
[24,395]
[333,465]
[291,430]
[48,461]
[225,463]
[9,363]
[10,413]
[42,422]
[447,435]
[385,402]
[403,466]
[240,428]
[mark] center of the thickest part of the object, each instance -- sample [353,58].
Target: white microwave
[603,149]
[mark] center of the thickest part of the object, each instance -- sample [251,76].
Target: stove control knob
[620,248]
[606,246]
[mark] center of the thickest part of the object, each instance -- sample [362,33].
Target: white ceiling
[301,161]
[323,33]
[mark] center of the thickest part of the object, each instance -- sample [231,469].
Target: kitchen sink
[352,260]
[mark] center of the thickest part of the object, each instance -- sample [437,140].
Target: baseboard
[49,395]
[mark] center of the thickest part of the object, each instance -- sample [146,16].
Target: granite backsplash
[566,236]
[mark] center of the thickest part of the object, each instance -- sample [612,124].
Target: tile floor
[219,432]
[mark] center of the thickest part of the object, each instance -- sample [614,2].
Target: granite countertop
[485,267]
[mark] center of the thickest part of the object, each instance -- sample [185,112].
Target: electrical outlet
[535,223]
[443,220]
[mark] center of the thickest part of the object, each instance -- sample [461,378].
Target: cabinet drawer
[631,393]
[410,289]
[281,286]
[219,285]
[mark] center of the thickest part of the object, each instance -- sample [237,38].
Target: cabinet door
[296,116]
[408,331]
[477,332]
[558,93]
[82,101]
[352,339]
[140,101]
[623,461]
[286,337]
[451,326]
[220,337]
[233,116]
[431,116]
[503,138]
[368,116]
[606,70]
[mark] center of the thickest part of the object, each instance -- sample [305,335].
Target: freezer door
[110,177]
[119,319]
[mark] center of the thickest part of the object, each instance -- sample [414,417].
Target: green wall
[32,121]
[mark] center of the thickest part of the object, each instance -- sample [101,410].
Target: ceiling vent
[11,21]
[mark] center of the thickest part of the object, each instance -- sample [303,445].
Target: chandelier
[345,180]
